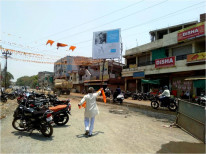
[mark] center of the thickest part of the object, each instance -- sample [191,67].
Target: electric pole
[6,57]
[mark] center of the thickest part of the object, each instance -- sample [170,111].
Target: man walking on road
[91,110]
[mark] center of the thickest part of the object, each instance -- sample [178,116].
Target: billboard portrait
[106,44]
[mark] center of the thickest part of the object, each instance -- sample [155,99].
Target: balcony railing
[181,57]
[146,63]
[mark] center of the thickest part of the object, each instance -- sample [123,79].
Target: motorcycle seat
[57,108]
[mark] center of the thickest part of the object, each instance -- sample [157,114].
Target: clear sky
[27,25]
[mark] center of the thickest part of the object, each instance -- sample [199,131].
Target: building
[45,79]
[84,72]
[174,57]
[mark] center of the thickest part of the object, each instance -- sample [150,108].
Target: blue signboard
[113,36]
[138,74]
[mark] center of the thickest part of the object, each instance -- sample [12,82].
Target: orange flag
[61,45]
[104,96]
[72,48]
[50,42]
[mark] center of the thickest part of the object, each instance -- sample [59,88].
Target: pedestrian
[91,110]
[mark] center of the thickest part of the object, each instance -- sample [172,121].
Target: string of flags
[60,45]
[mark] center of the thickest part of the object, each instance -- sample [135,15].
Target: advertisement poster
[191,32]
[106,44]
[196,57]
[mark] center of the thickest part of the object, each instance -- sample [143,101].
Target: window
[182,52]
[131,61]
[144,60]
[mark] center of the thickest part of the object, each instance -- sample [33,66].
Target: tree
[27,81]
[9,77]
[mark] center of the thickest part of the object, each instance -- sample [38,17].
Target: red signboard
[190,33]
[165,62]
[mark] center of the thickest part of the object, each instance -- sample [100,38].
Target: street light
[6,57]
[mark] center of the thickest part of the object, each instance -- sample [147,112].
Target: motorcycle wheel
[4,100]
[120,102]
[12,97]
[17,124]
[172,106]
[61,119]
[140,98]
[46,129]
[154,104]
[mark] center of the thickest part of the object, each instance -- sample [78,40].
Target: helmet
[165,87]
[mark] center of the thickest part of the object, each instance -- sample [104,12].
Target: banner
[191,32]
[165,62]
[196,57]
[106,44]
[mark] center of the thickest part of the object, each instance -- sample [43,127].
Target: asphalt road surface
[117,129]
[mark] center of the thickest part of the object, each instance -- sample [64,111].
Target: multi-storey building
[84,72]
[174,57]
[45,79]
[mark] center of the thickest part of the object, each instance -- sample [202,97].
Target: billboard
[106,44]
[196,57]
[165,62]
[191,32]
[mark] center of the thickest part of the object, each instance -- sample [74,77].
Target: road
[118,129]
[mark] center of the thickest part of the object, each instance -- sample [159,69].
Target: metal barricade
[191,118]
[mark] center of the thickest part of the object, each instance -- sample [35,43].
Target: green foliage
[31,81]
[9,77]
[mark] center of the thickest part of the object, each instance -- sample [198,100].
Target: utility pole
[6,57]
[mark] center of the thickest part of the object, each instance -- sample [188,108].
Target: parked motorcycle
[4,98]
[170,103]
[11,96]
[61,114]
[27,119]
[201,100]
[127,94]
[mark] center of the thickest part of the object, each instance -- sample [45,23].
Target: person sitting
[164,97]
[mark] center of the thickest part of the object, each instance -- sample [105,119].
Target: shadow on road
[64,126]
[93,134]
[166,118]
[34,135]
[182,147]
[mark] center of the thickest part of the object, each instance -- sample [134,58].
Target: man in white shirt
[91,110]
[164,97]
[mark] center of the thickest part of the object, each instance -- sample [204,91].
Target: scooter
[118,98]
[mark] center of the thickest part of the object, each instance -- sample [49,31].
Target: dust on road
[117,129]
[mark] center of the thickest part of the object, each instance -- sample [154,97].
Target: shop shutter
[158,54]
[184,50]
[199,83]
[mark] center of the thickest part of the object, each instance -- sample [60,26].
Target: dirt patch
[7,108]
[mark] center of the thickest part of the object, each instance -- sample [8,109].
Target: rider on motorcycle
[164,97]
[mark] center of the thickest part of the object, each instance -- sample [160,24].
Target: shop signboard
[165,62]
[105,77]
[132,65]
[138,75]
[191,32]
[106,44]
[196,57]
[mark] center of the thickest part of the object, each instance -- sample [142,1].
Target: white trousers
[86,123]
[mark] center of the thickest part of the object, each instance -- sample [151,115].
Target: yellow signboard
[196,57]
[105,77]
[132,66]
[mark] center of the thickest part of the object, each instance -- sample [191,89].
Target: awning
[150,81]
[196,78]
